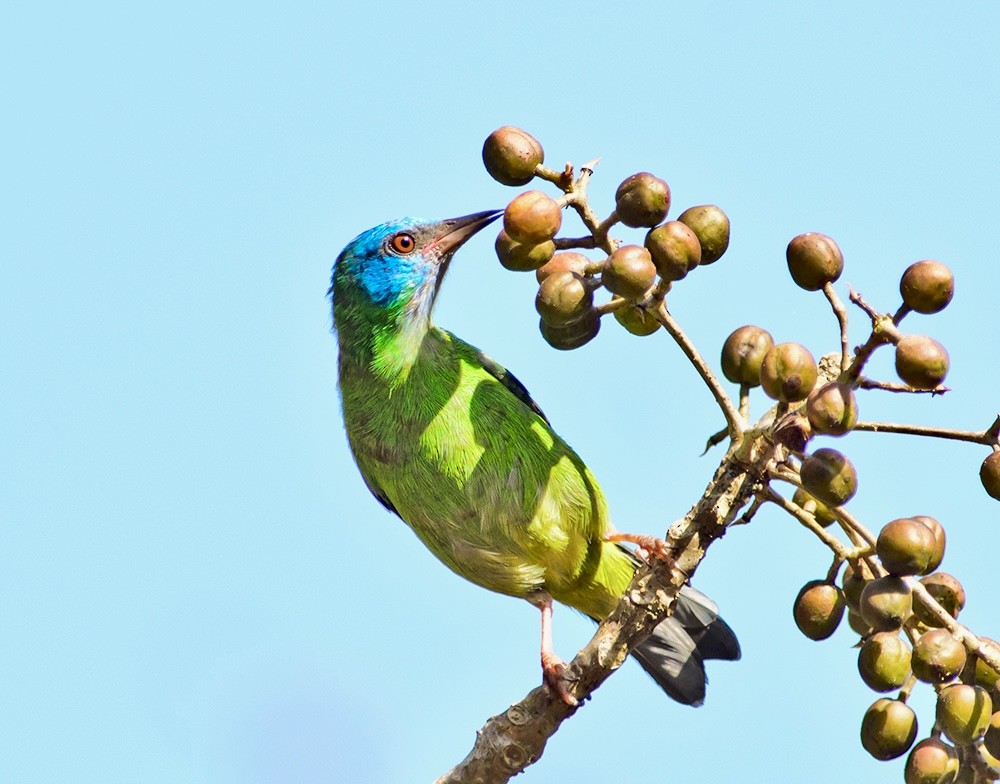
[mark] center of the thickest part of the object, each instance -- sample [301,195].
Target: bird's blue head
[397,267]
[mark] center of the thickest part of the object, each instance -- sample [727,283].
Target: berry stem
[611,306]
[809,521]
[904,693]
[986,437]
[737,424]
[901,314]
[891,386]
[745,401]
[840,311]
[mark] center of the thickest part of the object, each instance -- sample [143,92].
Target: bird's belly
[496,517]
[485,537]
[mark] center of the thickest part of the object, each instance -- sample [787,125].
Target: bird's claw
[553,675]
[647,547]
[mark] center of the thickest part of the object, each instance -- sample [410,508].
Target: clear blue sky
[195,585]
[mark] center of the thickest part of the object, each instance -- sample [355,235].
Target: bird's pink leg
[649,546]
[553,667]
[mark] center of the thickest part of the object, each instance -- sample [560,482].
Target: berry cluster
[637,276]
[889,586]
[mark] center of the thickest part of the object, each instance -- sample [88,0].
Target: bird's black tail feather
[674,654]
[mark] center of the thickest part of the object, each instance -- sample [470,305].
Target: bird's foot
[553,675]
[647,547]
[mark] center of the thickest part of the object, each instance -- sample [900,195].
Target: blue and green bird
[453,444]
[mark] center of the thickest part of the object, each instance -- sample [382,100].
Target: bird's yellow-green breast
[480,476]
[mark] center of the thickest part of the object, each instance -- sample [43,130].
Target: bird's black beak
[449,235]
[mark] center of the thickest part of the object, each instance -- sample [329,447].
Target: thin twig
[562,179]
[733,418]
[809,521]
[750,513]
[883,331]
[576,197]
[855,525]
[840,311]
[858,300]
[890,386]
[861,537]
[984,437]
[745,401]
[611,305]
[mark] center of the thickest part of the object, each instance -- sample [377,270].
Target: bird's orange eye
[403,243]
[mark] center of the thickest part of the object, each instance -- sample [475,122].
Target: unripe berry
[858,624]
[522,257]
[743,353]
[886,603]
[818,609]
[511,155]
[927,286]
[817,508]
[637,320]
[963,712]
[905,546]
[675,249]
[932,761]
[788,372]
[888,729]
[532,217]
[832,409]
[563,298]
[566,261]
[921,361]
[985,675]
[711,225]
[572,335]
[937,656]
[629,272]
[992,738]
[793,431]
[829,476]
[642,200]
[989,475]
[940,540]
[884,661]
[814,260]
[946,591]
[853,584]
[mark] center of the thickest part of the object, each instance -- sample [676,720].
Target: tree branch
[511,741]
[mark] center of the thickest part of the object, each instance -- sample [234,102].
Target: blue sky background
[194,583]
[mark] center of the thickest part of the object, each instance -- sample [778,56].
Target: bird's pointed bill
[449,235]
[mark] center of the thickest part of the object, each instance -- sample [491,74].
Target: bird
[451,442]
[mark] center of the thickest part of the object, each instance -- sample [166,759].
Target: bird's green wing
[510,381]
